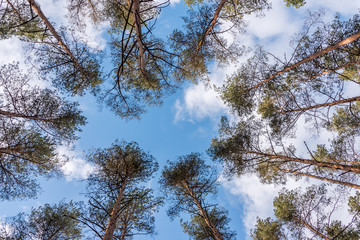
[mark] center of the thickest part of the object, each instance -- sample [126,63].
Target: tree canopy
[34,122]
[119,207]
[57,221]
[270,101]
[188,182]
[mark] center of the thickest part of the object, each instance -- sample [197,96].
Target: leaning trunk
[321,178]
[47,23]
[334,166]
[114,214]
[313,56]
[311,228]
[212,24]
[214,230]
[33,117]
[137,23]
[329,104]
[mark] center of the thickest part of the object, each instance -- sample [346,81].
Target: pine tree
[309,215]
[34,122]
[58,221]
[188,181]
[118,207]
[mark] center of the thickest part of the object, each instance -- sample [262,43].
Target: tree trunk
[214,230]
[34,117]
[137,23]
[114,214]
[311,228]
[14,9]
[321,178]
[212,24]
[123,232]
[347,100]
[313,56]
[331,70]
[47,23]
[334,166]
[93,9]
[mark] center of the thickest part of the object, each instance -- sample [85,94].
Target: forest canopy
[87,73]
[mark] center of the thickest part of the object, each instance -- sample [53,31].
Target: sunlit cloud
[255,197]
[75,167]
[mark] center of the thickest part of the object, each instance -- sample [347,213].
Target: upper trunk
[33,117]
[137,24]
[336,166]
[311,228]
[329,104]
[311,57]
[47,23]
[114,214]
[321,178]
[212,24]
[214,230]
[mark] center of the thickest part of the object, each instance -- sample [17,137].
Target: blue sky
[185,123]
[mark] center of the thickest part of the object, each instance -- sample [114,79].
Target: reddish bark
[214,230]
[110,229]
[212,23]
[313,56]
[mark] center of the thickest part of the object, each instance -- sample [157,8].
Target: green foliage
[233,92]
[122,166]
[313,210]
[269,173]
[231,146]
[233,12]
[346,121]
[354,203]
[74,74]
[19,20]
[58,221]
[142,71]
[267,230]
[309,89]
[338,231]
[199,230]
[121,162]
[69,75]
[321,153]
[43,107]
[285,206]
[25,154]
[136,215]
[351,73]
[33,123]
[187,182]
[193,59]
[295,3]
[189,171]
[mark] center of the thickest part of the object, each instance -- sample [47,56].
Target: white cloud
[199,102]
[277,21]
[345,7]
[56,12]
[92,36]
[76,167]
[173,2]
[11,51]
[6,230]
[256,198]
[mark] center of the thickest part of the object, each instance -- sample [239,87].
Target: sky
[185,123]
